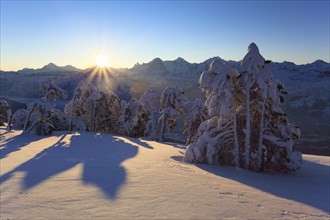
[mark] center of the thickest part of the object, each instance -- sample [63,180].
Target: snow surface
[99,176]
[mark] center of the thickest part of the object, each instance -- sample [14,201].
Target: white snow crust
[99,176]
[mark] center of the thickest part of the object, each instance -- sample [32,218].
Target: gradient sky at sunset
[34,33]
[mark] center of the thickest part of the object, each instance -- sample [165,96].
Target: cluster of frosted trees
[241,123]
[103,111]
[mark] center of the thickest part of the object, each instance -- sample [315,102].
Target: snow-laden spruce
[172,103]
[93,110]
[150,103]
[247,126]
[195,114]
[133,119]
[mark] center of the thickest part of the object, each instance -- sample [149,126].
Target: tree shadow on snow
[16,143]
[309,186]
[140,142]
[100,155]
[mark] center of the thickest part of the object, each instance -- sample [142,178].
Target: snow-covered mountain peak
[320,64]
[156,66]
[180,60]
[50,66]
[156,60]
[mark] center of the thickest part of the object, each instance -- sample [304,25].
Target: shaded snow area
[99,176]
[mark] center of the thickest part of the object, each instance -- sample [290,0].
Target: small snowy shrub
[41,116]
[19,118]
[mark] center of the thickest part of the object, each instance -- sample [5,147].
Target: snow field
[99,176]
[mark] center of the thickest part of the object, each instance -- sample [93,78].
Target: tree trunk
[153,126]
[163,120]
[9,118]
[247,131]
[93,116]
[236,146]
[28,117]
[261,136]
[161,130]
[189,134]
[71,116]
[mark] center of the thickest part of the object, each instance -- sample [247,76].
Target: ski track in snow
[99,176]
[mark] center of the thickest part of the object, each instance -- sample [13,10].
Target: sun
[101,61]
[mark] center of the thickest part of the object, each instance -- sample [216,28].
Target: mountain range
[308,86]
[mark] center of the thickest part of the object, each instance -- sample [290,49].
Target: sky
[35,33]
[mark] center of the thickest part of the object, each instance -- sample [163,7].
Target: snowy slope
[98,176]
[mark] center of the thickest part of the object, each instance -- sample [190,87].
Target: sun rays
[101,75]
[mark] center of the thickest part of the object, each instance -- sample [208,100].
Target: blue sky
[34,33]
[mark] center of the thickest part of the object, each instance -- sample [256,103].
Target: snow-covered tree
[150,102]
[107,112]
[217,140]
[248,127]
[133,119]
[5,113]
[41,116]
[19,118]
[51,91]
[269,137]
[195,114]
[38,119]
[93,110]
[172,102]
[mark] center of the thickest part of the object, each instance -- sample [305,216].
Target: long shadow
[16,143]
[309,186]
[101,156]
[140,142]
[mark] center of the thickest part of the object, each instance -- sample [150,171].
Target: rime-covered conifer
[172,103]
[195,114]
[93,110]
[247,126]
[133,119]
[150,103]
[5,112]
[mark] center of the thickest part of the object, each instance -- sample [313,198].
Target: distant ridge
[51,67]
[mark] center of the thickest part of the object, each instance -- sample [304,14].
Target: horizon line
[138,63]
